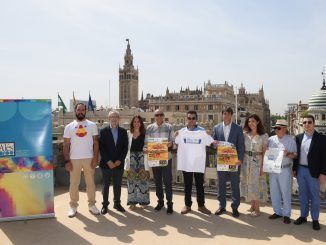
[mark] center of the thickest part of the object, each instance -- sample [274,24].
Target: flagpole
[236,105]
[109,93]
[58,108]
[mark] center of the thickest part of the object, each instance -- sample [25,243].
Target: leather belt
[253,153]
[286,165]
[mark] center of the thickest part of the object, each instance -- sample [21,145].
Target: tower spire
[128,56]
[324,78]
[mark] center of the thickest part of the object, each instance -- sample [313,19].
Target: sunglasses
[305,122]
[159,115]
[191,118]
[277,128]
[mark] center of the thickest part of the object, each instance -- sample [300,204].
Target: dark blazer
[235,137]
[110,151]
[316,154]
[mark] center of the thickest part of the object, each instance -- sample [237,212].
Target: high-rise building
[128,81]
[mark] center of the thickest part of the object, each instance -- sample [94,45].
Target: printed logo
[191,141]
[81,131]
[7,149]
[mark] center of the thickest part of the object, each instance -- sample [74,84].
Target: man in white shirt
[310,170]
[280,183]
[191,161]
[81,150]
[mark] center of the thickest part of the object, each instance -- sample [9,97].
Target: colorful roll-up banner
[26,168]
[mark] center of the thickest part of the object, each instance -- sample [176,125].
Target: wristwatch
[66,161]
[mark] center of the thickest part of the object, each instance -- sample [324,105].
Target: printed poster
[227,157]
[26,169]
[157,152]
[273,160]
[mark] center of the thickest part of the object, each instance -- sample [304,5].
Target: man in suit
[230,132]
[310,170]
[113,150]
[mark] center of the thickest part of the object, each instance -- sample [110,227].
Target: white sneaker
[93,209]
[72,212]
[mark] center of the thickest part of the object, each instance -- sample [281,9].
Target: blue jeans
[223,176]
[280,189]
[308,192]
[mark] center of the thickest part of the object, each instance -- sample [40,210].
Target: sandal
[251,209]
[132,207]
[255,213]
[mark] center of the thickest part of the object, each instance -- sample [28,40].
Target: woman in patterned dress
[137,169]
[253,179]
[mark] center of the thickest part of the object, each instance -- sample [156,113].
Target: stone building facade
[209,102]
[316,107]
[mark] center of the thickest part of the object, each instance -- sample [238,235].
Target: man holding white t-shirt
[280,183]
[192,141]
[80,151]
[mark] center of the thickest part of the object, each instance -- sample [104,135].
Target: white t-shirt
[81,138]
[192,150]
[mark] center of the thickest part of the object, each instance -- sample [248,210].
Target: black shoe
[286,220]
[235,213]
[159,206]
[315,225]
[119,208]
[300,221]
[220,211]
[274,216]
[104,210]
[170,209]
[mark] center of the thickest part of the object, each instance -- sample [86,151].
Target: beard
[80,116]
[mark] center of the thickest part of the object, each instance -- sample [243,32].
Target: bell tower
[128,81]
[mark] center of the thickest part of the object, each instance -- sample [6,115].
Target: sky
[50,47]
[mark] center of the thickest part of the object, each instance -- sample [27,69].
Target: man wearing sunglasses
[161,129]
[195,148]
[280,183]
[310,170]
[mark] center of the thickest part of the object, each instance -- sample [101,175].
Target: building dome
[318,100]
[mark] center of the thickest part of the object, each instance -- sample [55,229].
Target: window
[157,107]
[323,117]
[196,107]
[210,107]
[187,107]
[177,108]
[210,117]
[168,108]
[316,117]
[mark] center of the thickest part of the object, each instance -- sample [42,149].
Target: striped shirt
[165,130]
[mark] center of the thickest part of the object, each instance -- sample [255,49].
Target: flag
[74,102]
[61,104]
[90,106]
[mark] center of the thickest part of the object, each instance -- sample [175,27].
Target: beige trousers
[78,165]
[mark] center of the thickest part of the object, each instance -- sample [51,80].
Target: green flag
[60,103]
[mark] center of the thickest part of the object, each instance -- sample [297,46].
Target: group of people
[126,151]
